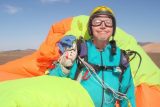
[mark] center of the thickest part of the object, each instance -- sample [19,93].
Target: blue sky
[25,23]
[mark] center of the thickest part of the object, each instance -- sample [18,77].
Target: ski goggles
[98,22]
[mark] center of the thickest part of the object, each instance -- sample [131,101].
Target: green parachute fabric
[43,91]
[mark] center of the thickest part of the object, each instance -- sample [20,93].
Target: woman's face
[102,27]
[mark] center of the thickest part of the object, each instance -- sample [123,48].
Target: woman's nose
[102,25]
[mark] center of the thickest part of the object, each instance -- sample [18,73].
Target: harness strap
[98,68]
[79,68]
[82,52]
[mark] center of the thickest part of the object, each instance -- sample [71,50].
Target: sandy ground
[6,56]
[152,49]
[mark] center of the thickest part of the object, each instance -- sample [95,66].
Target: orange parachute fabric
[147,95]
[38,62]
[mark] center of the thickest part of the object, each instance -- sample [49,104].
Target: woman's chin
[102,38]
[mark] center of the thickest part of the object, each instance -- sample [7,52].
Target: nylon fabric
[43,91]
[147,96]
[79,27]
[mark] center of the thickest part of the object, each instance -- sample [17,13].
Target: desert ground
[152,49]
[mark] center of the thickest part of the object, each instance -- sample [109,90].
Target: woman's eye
[97,21]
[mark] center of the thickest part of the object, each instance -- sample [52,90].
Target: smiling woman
[100,66]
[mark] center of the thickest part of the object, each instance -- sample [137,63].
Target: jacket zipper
[102,79]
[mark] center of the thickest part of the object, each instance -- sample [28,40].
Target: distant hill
[152,47]
[144,43]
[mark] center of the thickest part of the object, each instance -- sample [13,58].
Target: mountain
[144,43]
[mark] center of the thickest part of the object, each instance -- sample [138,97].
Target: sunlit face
[102,27]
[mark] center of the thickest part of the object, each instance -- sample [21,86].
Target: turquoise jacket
[100,96]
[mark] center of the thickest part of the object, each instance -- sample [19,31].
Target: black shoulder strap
[82,47]
[113,47]
[82,53]
[123,63]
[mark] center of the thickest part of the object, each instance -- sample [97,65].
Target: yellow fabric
[43,91]
[79,27]
[148,72]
